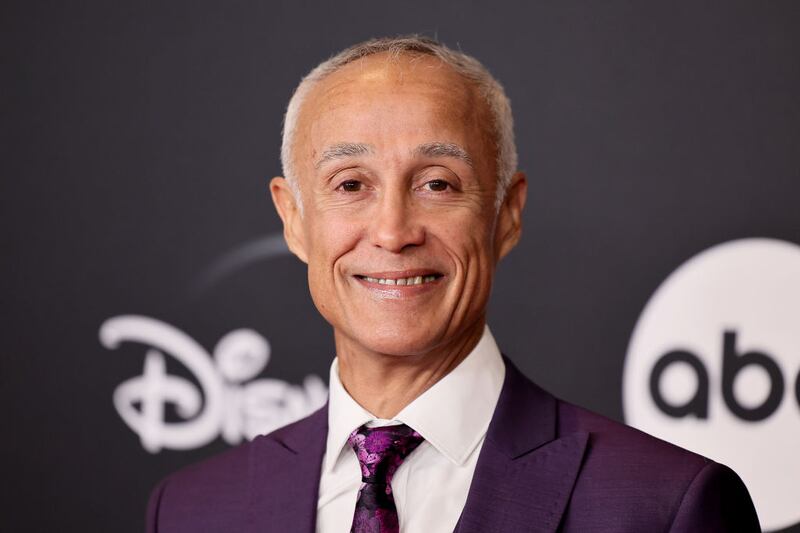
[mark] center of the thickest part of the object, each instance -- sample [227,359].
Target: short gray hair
[467,66]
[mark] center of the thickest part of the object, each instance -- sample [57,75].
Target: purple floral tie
[380,451]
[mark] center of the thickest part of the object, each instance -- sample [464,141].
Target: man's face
[399,226]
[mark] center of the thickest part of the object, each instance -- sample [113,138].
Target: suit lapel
[522,482]
[525,473]
[285,478]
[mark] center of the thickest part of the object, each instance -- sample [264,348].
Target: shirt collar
[453,415]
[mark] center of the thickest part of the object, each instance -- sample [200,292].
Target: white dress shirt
[430,488]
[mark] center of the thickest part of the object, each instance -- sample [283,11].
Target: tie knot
[381,450]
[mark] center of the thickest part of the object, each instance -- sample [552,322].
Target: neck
[384,384]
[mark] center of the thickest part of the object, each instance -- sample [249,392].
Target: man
[400,194]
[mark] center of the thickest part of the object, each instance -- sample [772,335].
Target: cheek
[471,242]
[331,234]
[469,237]
[331,238]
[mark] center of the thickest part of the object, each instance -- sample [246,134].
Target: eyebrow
[342,150]
[444,149]
[431,149]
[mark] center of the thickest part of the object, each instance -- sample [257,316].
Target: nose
[394,224]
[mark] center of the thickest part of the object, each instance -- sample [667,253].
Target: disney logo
[223,404]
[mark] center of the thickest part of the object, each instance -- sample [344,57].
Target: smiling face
[399,228]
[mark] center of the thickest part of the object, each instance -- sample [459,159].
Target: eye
[350,186]
[437,185]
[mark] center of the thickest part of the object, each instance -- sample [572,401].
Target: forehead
[377,74]
[385,98]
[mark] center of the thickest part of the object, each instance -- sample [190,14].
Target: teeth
[414,280]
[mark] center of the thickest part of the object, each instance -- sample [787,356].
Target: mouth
[403,278]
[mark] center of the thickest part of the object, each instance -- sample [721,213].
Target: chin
[397,342]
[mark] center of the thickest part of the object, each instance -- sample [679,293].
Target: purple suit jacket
[545,466]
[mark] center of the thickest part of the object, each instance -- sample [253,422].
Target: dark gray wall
[137,144]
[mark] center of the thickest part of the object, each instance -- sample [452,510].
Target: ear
[509,220]
[289,211]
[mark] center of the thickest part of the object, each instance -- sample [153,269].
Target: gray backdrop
[138,140]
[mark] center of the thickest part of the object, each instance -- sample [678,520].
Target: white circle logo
[714,366]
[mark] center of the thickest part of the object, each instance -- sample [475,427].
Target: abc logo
[732,364]
[714,366]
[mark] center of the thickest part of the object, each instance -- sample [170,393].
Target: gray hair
[467,66]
